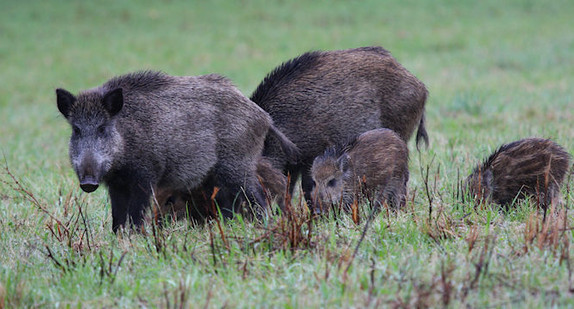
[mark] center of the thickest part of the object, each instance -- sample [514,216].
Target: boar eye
[76,130]
[332,182]
[101,129]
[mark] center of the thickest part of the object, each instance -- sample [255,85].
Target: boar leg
[293,172]
[394,194]
[237,180]
[231,197]
[256,195]
[128,200]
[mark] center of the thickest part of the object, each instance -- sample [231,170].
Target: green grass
[496,72]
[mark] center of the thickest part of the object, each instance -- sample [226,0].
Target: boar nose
[89,184]
[87,173]
[317,206]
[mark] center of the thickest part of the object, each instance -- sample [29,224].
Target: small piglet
[533,167]
[372,166]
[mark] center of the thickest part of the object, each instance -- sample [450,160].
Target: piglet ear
[344,163]
[114,101]
[65,101]
[487,179]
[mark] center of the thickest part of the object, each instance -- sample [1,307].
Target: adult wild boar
[534,167]
[150,130]
[322,98]
[374,166]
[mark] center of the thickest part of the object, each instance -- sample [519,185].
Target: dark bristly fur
[533,167]
[288,72]
[372,166]
[143,81]
[324,97]
[150,130]
[273,181]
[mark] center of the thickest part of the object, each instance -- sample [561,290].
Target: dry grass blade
[481,266]
[110,270]
[2,296]
[17,186]
[472,237]
[547,232]
[426,186]
[217,218]
[370,219]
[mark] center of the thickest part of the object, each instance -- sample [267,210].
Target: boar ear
[487,179]
[344,163]
[114,101]
[65,101]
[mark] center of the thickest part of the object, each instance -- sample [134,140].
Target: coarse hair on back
[488,162]
[512,145]
[141,81]
[336,151]
[283,74]
[375,49]
[292,69]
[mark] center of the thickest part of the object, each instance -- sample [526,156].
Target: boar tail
[289,148]
[422,133]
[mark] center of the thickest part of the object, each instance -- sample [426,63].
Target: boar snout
[88,175]
[89,185]
[318,199]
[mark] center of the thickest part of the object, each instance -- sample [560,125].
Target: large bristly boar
[320,99]
[374,166]
[150,130]
[196,204]
[533,167]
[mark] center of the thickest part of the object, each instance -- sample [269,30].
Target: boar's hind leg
[233,194]
[257,204]
[256,195]
[293,172]
[237,180]
[128,201]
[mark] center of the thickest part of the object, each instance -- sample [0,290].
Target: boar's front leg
[129,200]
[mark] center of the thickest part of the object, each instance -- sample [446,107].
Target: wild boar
[322,98]
[149,130]
[534,167]
[374,166]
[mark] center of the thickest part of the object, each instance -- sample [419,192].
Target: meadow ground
[496,72]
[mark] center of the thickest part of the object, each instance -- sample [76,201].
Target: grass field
[496,71]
